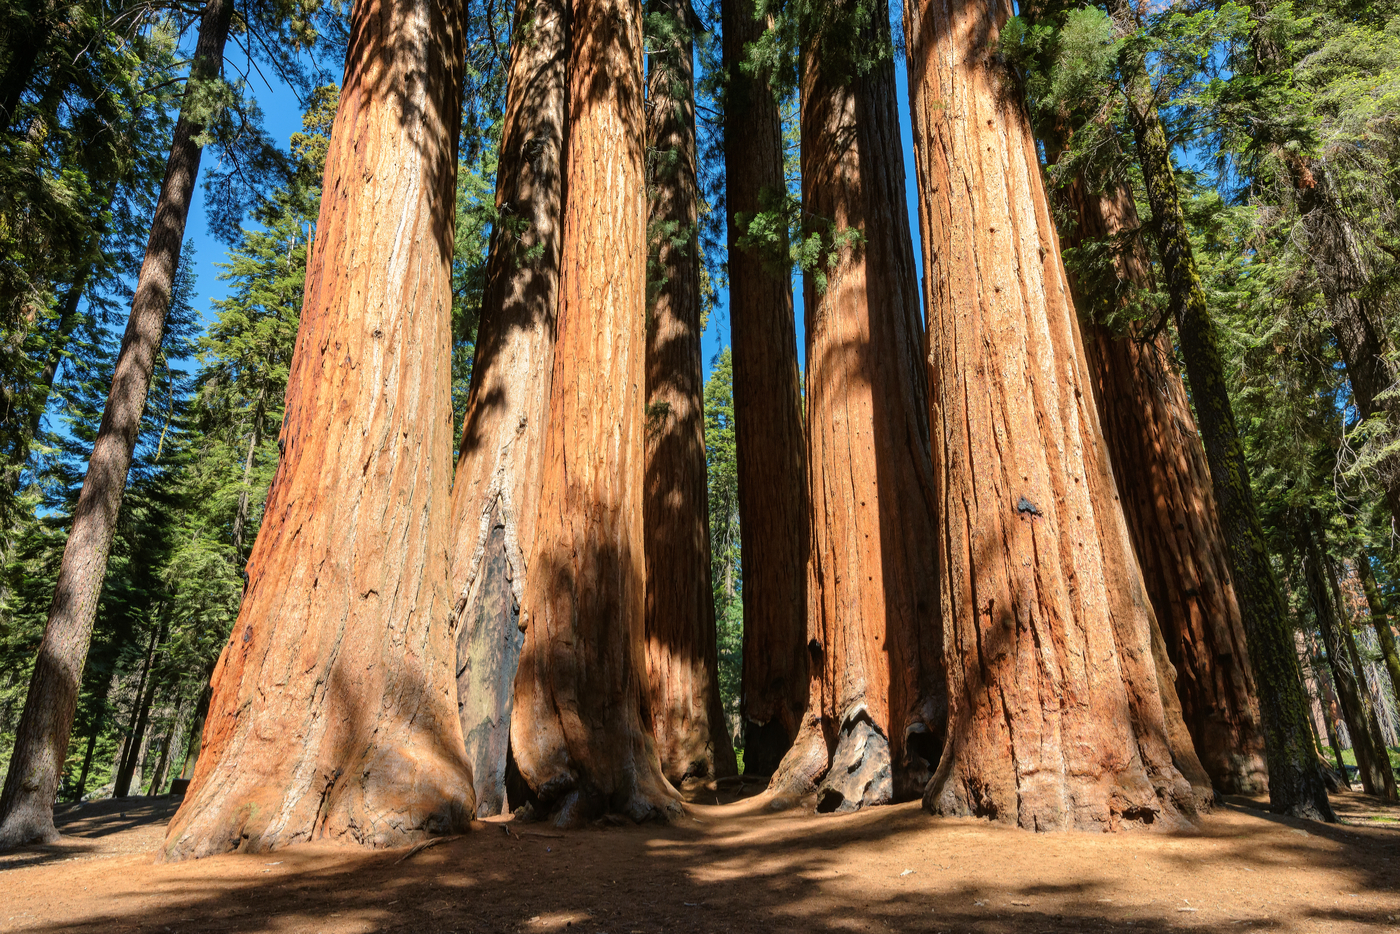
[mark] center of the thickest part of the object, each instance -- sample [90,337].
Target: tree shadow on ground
[746,868]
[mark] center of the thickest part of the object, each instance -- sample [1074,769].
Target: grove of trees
[1075,508]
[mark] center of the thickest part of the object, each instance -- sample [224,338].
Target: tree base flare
[389,798]
[1101,804]
[28,824]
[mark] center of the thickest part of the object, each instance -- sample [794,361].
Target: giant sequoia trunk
[770,438]
[1295,781]
[687,715]
[332,712]
[579,734]
[1056,718]
[1165,487]
[41,742]
[1372,762]
[876,709]
[497,482]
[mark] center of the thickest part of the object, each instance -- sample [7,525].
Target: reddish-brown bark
[495,490]
[874,718]
[332,713]
[579,733]
[768,420]
[1056,718]
[41,741]
[1170,508]
[687,715]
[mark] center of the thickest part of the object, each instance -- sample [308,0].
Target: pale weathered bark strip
[496,487]
[332,713]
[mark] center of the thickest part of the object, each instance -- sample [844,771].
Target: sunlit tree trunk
[494,493]
[41,742]
[687,716]
[768,419]
[579,733]
[332,713]
[1056,719]
[875,715]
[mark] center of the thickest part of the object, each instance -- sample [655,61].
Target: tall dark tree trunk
[875,714]
[145,696]
[81,786]
[768,411]
[1056,717]
[332,714]
[494,493]
[1295,783]
[687,715]
[1372,762]
[26,805]
[579,733]
[1164,482]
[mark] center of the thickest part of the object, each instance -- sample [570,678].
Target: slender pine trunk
[41,743]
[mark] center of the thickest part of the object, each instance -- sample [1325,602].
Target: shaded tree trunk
[1164,482]
[875,714]
[1295,782]
[145,696]
[579,733]
[1380,619]
[1371,760]
[770,437]
[1056,716]
[77,792]
[41,742]
[332,715]
[687,716]
[196,735]
[494,493]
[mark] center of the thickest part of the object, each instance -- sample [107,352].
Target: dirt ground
[736,867]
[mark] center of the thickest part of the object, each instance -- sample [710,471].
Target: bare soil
[734,867]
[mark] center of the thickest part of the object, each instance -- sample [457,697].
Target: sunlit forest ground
[737,866]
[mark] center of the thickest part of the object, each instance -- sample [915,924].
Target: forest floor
[737,867]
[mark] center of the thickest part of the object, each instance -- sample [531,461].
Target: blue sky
[282,113]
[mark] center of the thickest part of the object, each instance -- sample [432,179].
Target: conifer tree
[31,784]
